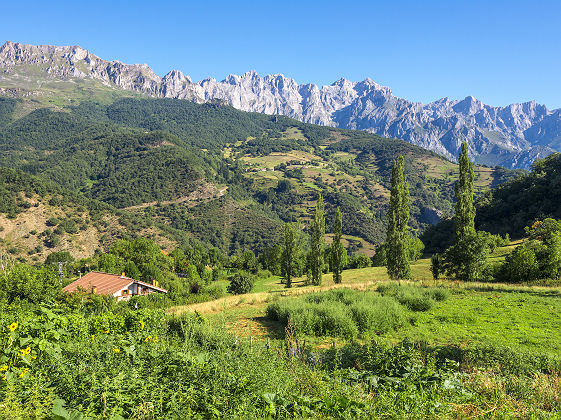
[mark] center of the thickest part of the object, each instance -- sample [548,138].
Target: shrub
[341,313]
[359,261]
[241,283]
[521,265]
[414,298]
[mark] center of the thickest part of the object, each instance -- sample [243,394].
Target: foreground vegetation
[72,359]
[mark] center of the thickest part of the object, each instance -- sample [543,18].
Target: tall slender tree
[397,240]
[317,242]
[464,221]
[337,248]
[290,252]
[467,258]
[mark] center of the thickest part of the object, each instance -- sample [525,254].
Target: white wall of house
[130,290]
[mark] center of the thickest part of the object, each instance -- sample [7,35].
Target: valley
[300,254]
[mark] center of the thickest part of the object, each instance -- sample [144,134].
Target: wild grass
[349,313]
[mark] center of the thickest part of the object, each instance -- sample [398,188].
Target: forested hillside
[226,177]
[512,206]
[521,201]
[38,217]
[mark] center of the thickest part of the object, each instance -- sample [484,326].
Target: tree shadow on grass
[275,329]
[495,289]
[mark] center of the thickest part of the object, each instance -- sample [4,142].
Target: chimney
[153,282]
[123,275]
[94,290]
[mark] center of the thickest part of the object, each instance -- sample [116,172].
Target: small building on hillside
[119,286]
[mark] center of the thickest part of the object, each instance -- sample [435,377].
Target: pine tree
[290,252]
[317,242]
[397,240]
[337,248]
[464,222]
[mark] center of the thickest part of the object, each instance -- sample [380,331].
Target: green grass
[525,319]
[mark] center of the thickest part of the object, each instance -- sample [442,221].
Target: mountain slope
[37,217]
[224,176]
[511,136]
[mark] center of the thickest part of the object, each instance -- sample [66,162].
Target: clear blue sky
[498,51]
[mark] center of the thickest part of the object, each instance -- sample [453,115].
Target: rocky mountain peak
[511,135]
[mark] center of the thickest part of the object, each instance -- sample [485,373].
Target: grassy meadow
[502,339]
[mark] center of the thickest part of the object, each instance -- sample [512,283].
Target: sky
[500,52]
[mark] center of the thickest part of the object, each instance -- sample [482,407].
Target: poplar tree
[397,240]
[290,252]
[467,258]
[337,248]
[464,221]
[317,242]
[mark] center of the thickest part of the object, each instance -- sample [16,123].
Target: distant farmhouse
[119,286]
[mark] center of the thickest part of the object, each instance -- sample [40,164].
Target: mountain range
[512,136]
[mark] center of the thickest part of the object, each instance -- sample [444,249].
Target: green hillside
[223,176]
[38,217]
[511,206]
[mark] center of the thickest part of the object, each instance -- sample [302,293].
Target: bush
[359,261]
[241,283]
[340,313]
[414,298]
[521,265]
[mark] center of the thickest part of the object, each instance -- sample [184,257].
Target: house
[119,286]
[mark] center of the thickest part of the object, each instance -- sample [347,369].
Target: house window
[125,292]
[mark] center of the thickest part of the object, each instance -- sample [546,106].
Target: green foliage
[7,107]
[245,260]
[416,248]
[338,254]
[398,245]
[317,248]
[359,261]
[537,258]
[380,259]
[291,256]
[414,298]
[436,266]
[519,202]
[339,313]
[155,365]
[29,284]
[241,283]
[467,258]
[521,265]
[464,217]
[270,259]
[56,257]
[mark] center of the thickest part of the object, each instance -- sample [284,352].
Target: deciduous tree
[317,231]
[291,251]
[338,253]
[398,240]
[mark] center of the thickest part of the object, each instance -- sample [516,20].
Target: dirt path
[205,192]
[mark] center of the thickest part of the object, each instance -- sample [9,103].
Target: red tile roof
[105,284]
